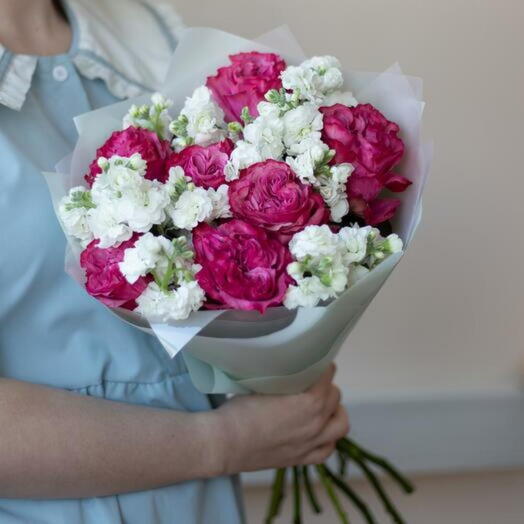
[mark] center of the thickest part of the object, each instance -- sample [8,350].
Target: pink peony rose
[242,267]
[271,196]
[204,165]
[130,141]
[245,82]
[105,282]
[362,136]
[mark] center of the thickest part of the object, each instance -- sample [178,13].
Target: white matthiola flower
[314,241]
[73,212]
[345,98]
[393,244]
[203,119]
[305,164]
[302,123]
[380,248]
[332,187]
[191,208]
[154,117]
[177,304]
[125,200]
[314,79]
[220,201]
[107,227]
[355,241]
[308,293]
[148,253]
[244,155]
[266,134]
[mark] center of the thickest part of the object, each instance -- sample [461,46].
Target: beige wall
[451,317]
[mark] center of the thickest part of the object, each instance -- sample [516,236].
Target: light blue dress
[53,333]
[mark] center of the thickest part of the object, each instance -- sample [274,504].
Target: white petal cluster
[191,205]
[150,253]
[314,241]
[191,208]
[125,200]
[314,79]
[244,155]
[302,127]
[332,187]
[158,305]
[305,164]
[73,212]
[204,119]
[327,263]
[154,117]
[220,202]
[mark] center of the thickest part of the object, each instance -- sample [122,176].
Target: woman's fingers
[319,455]
[324,382]
[336,428]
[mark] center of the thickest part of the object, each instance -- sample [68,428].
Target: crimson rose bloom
[242,267]
[204,165]
[105,281]
[362,136]
[245,82]
[130,141]
[271,196]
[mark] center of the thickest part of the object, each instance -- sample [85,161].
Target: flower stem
[297,497]
[326,481]
[359,503]
[381,493]
[310,492]
[342,464]
[277,495]
[404,483]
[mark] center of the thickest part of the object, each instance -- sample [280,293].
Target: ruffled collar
[105,46]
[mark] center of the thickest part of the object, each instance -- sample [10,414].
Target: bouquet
[247,215]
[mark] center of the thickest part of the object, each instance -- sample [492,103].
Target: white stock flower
[125,200]
[266,134]
[191,208]
[73,212]
[355,241]
[243,156]
[177,304]
[154,117]
[302,123]
[314,79]
[394,243]
[333,190]
[205,118]
[305,164]
[308,293]
[107,228]
[345,98]
[220,201]
[147,253]
[314,241]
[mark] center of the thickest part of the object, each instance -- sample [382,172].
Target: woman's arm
[55,444]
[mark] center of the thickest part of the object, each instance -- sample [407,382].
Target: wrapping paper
[282,351]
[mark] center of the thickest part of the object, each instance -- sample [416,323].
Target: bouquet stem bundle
[335,483]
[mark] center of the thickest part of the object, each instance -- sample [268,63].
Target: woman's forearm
[55,444]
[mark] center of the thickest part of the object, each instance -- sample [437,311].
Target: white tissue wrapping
[282,351]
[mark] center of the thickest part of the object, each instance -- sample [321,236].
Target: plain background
[451,318]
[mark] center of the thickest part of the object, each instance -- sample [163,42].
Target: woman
[97,424]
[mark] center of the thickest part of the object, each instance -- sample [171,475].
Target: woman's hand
[261,432]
